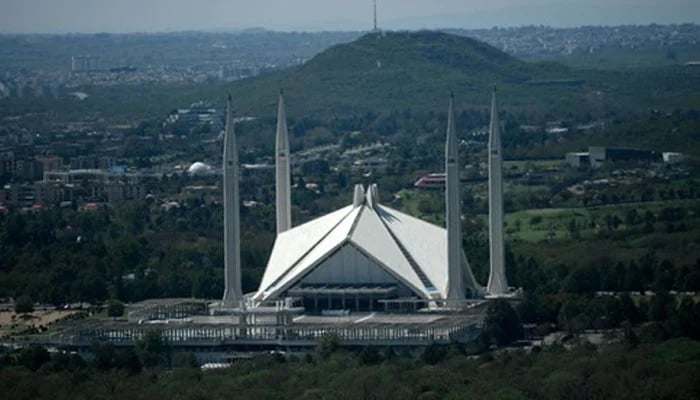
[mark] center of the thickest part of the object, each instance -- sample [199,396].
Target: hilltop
[417,70]
[378,72]
[386,71]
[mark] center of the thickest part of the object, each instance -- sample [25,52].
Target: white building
[356,256]
[199,168]
[366,255]
[672,158]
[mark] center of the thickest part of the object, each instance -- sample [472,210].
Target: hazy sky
[177,15]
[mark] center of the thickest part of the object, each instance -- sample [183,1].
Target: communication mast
[375,16]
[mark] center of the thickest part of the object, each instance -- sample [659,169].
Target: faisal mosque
[365,256]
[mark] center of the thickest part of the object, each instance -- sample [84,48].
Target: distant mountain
[395,71]
[399,70]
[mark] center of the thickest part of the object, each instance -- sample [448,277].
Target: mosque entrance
[365,298]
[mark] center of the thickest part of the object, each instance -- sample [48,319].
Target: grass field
[577,235]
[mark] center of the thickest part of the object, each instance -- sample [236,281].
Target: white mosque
[365,256]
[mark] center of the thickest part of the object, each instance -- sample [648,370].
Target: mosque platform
[239,331]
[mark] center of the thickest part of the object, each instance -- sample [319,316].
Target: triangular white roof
[424,241]
[293,246]
[411,250]
[372,236]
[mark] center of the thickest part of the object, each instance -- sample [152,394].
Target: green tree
[33,357]
[15,229]
[186,360]
[571,315]
[24,305]
[152,349]
[104,356]
[573,228]
[629,310]
[327,344]
[632,217]
[370,356]
[434,353]
[115,308]
[662,306]
[634,278]
[65,361]
[127,360]
[502,324]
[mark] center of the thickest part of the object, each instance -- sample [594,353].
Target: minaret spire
[282,170]
[497,284]
[232,235]
[455,282]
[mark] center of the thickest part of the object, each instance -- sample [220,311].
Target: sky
[91,16]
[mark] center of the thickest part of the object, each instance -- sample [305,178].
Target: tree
[370,356]
[502,324]
[186,360]
[152,348]
[128,361]
[527,310]
[15,229]
[434,353]
[115,308]
[688,318]
[535,220]
[662,306]
[104,356]
[33,357]
[24,305]
[582,280]
[691,282]
[632,217]
[605,312]
[629,310]
[573,229]
[634,279]
[327,344]
[571,315]
[630,337]
[65,361]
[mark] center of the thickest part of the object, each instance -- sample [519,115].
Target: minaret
[232,235]
[283,189]
[497,284]
[455,283]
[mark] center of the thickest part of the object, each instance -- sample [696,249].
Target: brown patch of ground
[36,318]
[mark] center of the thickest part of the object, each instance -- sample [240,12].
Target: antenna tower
[375,16]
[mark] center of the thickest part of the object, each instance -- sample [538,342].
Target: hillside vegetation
[665,370]
[417,70]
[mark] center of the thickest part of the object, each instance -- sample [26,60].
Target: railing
[403,334]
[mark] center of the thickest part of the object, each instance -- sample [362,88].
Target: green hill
[397,71]
[417,70]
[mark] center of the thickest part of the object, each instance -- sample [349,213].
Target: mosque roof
[410,249]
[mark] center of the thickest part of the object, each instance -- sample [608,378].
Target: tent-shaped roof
[411,250]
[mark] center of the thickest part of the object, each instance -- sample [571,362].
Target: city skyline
[82,16]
